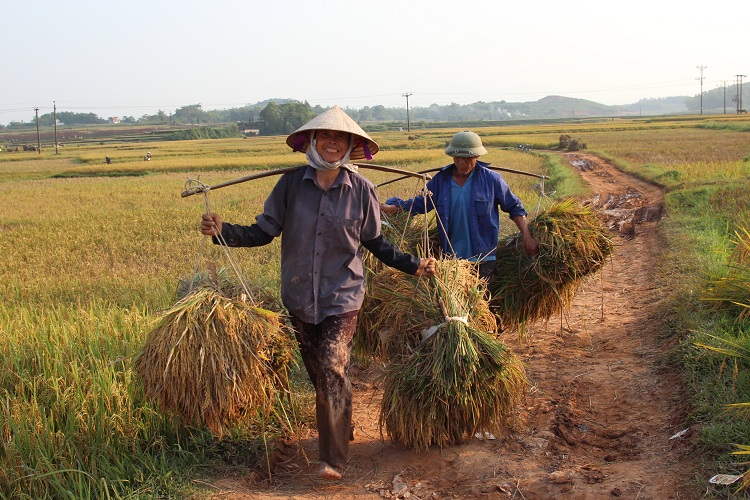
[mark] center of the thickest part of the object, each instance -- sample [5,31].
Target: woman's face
[331,145]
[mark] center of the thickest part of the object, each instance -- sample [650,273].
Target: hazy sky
[135,57]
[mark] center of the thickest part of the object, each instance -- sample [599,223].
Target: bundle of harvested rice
[399,307]
[217,279]
[455,382]
[406,231]
[227,285]
[573,243]
[212,359]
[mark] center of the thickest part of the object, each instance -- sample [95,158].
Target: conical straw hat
[335,119]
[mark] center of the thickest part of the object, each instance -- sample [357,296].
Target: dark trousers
[326,352]
[486,269]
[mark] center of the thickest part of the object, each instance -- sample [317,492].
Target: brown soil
[598,422]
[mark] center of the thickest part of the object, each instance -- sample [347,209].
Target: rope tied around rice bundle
[452,377]
[429,332]
[447,374]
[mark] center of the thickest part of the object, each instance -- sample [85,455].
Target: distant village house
[113,119]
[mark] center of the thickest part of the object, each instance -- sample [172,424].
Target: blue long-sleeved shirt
[488,192]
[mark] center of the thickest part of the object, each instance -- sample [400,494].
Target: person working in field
[466,195]
[324,211]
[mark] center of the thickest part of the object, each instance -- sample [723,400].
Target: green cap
[465,145]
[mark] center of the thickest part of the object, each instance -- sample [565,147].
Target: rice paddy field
[93,254]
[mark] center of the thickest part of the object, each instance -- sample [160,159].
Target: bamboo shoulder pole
[491,167]
[196,187]
[202,188]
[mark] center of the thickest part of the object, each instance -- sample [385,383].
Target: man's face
[464,166]
[331,145]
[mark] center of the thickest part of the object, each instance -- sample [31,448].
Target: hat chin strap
[315,161]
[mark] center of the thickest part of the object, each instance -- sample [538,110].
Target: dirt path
[597,422]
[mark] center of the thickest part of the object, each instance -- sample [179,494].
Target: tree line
[283,116]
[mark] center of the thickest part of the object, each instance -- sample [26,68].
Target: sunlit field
[92,252]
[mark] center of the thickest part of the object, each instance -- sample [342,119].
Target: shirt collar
[343,178]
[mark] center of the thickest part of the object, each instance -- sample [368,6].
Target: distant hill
[549,107]
[719,100]
[659,106]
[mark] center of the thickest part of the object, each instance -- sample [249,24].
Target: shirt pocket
[343,233]
[483,207]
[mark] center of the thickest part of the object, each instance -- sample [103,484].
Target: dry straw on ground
[213,359]
[573,243]
[446,378]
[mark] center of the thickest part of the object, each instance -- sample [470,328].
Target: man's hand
[530,244]
[211,224]
[388,209]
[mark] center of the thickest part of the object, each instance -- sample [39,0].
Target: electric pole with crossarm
[408,126]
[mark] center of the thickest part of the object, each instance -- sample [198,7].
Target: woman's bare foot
[328,472]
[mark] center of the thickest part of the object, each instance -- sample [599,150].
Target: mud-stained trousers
[326,351]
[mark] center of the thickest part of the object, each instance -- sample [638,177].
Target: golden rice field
[92,253]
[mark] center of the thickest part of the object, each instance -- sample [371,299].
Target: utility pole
[408,126]
[701,67]
[738,95]
[38,141]
[724,82]
[740,92]
[54,118]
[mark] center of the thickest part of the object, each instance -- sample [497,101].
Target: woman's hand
[426,267]
[211,224]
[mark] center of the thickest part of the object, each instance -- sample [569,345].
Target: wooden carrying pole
[491,167]
[201,188]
